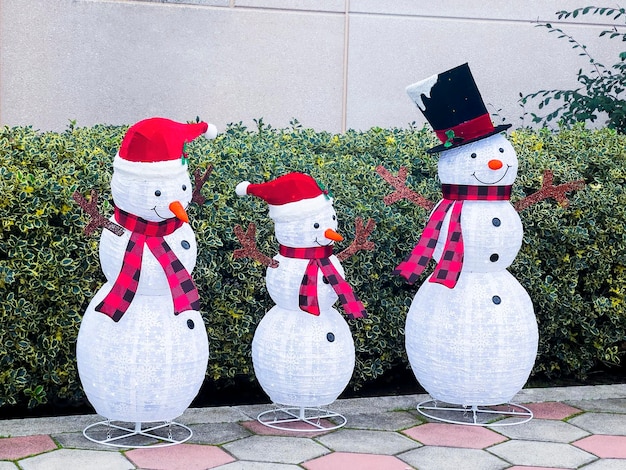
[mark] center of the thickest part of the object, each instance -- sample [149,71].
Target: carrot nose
[495,164]
[179,211]
[332,235]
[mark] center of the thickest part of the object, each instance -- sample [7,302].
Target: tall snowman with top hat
[302,351]
[471,332]
[142,348]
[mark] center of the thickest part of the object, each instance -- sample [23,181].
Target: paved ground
[572,427]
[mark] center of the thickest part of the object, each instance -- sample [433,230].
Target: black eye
[316,225]
[501,150]
[157,193]
[184,187]
[473,155]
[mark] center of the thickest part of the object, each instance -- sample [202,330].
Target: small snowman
[302,351]
[471,332]
[142,347]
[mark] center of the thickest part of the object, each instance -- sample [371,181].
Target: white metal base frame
[289,419]
[474,415]
[118,434]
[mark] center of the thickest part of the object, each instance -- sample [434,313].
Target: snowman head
[150,172]
[491,161]
[302,212]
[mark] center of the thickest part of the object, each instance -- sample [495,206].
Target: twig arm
[97,219]
[199,180]
[402,191]
[549,190]
[250,250]
[360,242]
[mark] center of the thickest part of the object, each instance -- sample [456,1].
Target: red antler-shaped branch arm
[250,250]
[97,219]
[199,180]
[549,190]
[402,191]
[360,242]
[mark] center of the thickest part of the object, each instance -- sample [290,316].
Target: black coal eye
[316,225]
[501,150]
[473,155]
[190,324]
[184,187]
[334,217]
[157,193]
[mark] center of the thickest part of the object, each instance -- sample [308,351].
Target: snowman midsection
[492,235]
[283,283]
[152,279]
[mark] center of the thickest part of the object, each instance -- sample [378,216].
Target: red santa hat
[158,141]
[291,196]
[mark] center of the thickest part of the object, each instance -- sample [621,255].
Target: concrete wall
[332,64]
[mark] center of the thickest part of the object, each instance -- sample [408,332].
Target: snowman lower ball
[142,347]
[303,352]
[471,333]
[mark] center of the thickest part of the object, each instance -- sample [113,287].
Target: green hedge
[573,260]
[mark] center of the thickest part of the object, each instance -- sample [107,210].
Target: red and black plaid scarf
[184,291]
[449,267]
[319,257]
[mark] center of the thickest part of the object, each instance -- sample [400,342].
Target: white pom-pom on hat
[242,188]
[211,132]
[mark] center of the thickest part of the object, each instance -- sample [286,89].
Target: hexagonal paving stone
[14,448]
[606,447]
[64,459]
[275,449]
[447,458]
[216,433]
[605,464]
[454,435]
[542,454]
[520,467]
[547,430]
[552,410]
[349,460]
[258,428]
[391,421]
[607,405]
[7,466]
[179,457]
[601,423]
[367,442]
[243,465]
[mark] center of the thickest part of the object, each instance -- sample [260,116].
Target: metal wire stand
[120,435]
[474,415]
[301,419]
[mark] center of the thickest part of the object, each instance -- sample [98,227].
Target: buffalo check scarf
[182,287]
[449,267]
[319,258]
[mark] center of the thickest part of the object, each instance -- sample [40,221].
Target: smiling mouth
[494,182]
[160,216]
[327,244]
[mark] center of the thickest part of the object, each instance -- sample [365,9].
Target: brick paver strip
[14,448]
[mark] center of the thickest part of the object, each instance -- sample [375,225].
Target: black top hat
[452,104]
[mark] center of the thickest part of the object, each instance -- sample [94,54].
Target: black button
[496,299]
[496,222]
[330,337]
[185,244]
[493,258]
[190,324]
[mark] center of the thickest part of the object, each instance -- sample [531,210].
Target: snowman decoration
[142,347]
[302,351]
[471,333]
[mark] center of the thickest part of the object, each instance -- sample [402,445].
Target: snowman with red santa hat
[302,351]
[142,348]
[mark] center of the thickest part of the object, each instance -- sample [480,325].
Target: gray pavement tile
[217,433]
[355,406]
[220,414]
[243,465]
[275,449]
[448,458]
[391,421]
[76,440]
[547,430]
[606,464]
[8,466]
[65,459]
[367,442]
[542,454]
[609,405]
[601,423]
[567,394]
[33,426]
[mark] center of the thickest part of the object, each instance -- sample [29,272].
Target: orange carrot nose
[332,235]
[179,211]
[495,164]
